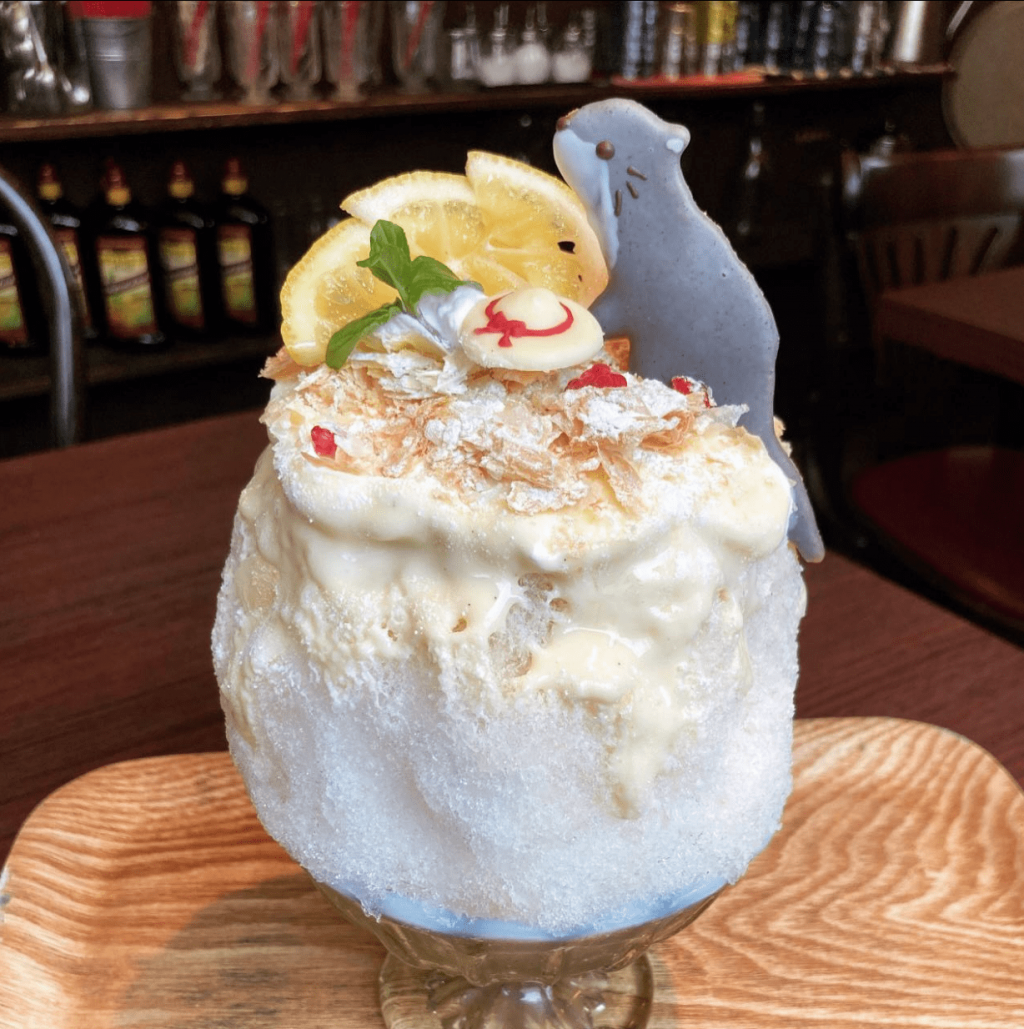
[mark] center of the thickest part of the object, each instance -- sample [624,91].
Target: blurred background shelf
[764,147]
[761,150]
[180,117]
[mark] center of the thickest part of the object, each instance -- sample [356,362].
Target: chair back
[920,217]
[931,500]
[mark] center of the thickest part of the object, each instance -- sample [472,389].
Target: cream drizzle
[416,574]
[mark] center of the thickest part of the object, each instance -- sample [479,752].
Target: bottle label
[180,264]
[127,286]
[68,240]
[234,248]
[13,332]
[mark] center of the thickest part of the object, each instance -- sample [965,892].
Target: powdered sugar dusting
[541,446]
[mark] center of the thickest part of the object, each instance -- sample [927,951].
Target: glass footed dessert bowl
[469,977]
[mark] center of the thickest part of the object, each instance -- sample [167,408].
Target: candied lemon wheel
[326,290]
[537,233]
[503,224]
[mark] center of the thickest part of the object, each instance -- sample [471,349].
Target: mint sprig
[390,261]
[389,256]
[430,276]
[345,340]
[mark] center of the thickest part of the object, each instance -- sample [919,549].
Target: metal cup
[29,60]
[120,61]
[414,34]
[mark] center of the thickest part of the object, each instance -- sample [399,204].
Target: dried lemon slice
[325,290]
[503,224]
[537,232]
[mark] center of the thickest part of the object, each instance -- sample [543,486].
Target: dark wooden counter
[111,561]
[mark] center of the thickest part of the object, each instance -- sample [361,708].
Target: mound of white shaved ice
[504,705]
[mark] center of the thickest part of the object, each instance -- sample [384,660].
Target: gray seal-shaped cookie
[676,287]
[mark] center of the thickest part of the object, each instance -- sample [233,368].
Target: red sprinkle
[683,385]
[323,441]
[597,375]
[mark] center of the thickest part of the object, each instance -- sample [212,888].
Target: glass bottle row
[143,278]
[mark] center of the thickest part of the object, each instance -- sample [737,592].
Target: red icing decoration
[511,328]
[323,441]
[597,375]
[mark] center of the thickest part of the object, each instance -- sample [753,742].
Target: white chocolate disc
[532,330]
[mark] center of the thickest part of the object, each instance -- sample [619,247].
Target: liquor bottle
[749,34]
[187,245]
[21,321]
[778,37]
[751,193]
[717,32]
[246,254]
[801,56]
[68,228]
[126,264]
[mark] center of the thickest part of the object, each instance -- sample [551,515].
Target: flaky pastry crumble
[531,436]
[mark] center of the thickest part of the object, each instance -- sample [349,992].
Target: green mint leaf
[390,262]
[428,275]
[344,341]
[389,258]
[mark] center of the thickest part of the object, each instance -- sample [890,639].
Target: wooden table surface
[976,320]
[111,559]
[147,894]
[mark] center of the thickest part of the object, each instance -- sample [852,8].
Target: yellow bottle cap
[234,181]
[115,188]
[180,184]
[49,187]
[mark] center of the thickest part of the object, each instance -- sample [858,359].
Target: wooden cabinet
[302,159]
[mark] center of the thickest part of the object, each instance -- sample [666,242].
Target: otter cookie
[676,287]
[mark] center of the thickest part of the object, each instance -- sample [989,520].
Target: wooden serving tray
[146,894]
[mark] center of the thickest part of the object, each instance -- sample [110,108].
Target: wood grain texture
[870,648]
[146,894]
[894,895]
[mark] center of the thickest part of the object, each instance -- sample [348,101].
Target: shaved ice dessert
[506,643]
